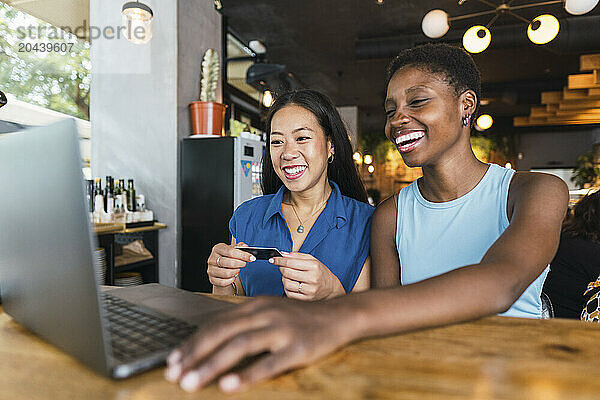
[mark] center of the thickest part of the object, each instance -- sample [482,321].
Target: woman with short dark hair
[466,240]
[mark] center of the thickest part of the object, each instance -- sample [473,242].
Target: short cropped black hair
[455,65]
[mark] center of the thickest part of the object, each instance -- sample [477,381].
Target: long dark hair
[342,170]
[584,223]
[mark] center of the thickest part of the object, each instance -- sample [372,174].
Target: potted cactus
[208,115]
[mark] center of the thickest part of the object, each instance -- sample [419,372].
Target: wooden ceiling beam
[575,94]
[579,104]
[589,62]
[582,81]
[526,121]
[551,97]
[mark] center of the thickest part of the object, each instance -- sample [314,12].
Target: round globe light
[578,7]
[547,29]
[484,122]
[435,24]
[368,159]
[476,39]
[371,169]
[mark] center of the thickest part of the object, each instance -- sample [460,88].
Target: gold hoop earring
[330,159]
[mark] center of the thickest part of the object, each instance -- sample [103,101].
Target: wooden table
[492,358]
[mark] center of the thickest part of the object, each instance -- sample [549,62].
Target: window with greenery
[58,80]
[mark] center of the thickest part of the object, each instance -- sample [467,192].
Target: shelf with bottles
[115,203]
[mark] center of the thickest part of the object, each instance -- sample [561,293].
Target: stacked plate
[100,265]
[128,279]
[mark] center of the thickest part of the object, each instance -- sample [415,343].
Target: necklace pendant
[300,229]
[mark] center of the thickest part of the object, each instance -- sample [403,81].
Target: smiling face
[299,148]
[424,116]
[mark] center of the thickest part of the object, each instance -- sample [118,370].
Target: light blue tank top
[435,238]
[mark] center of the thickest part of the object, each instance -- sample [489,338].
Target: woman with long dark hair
[574,277]
[466,240]
[314,208]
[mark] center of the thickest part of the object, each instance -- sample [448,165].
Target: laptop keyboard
[135,333]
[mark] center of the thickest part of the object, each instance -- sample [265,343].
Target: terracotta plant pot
[207,117]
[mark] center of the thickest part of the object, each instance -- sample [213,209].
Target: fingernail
[174,357]
[172,373]
[229,383]
[271,260]
[190,381]
[252,258]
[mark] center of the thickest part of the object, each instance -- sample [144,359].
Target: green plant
[210,76]
[585,172]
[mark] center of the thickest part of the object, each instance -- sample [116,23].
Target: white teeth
[294,170]
[409,136]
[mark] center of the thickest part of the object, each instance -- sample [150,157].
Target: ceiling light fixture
[547,27]
[476,39]
[257,46]
[579,7]
[137,19]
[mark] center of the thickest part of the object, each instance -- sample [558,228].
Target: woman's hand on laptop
[291,334]
[225,262]
[306,278]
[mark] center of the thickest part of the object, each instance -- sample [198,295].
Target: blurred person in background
[574,282]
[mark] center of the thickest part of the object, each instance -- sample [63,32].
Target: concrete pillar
[139,105]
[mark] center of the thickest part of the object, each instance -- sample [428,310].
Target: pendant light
[435,24]
[543,29]
[137,19]
[578,7]
[476,39]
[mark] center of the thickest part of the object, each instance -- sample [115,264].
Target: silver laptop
[47,278]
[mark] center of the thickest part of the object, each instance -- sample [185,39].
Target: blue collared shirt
[339,239]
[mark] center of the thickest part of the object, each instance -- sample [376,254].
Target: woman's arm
[537,206]
[385,271]
[364,279]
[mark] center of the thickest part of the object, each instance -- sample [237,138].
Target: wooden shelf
[101,229]
[134,265]
[149,234]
